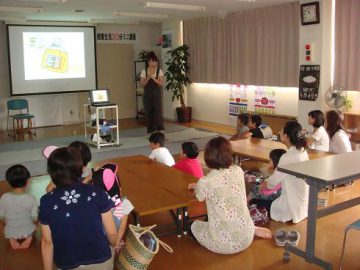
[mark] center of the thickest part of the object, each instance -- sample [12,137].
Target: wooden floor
[188,254]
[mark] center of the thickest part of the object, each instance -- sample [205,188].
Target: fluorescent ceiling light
[174,6]
[106,21]
[141,15]
[22,9]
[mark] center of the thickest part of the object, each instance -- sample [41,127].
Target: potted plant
[177,78]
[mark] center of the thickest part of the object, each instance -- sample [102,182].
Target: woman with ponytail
[293,201]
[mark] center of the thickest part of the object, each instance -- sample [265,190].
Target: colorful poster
[238,100]
[265,99]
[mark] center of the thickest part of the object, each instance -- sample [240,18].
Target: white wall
[319,35]
[210,102]
[56,109]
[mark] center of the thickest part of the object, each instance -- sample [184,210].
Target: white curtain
[347,44]
[257,46]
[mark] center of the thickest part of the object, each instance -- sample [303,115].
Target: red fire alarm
[308,52]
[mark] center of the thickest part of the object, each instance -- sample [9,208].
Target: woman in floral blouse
[230,228]
[73,217]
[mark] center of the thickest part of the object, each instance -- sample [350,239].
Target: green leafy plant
[177,74]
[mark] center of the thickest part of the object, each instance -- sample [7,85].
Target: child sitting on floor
[262,191]
[18,209]
[85,156]
[159,152]
[189,162]
[106,178]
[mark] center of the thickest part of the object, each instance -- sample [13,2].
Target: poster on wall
[309,80]
[265,99]
[238,100]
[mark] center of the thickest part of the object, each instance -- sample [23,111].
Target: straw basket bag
[134,255]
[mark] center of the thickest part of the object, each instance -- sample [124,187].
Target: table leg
[309,253]
[178,222]
[186,220]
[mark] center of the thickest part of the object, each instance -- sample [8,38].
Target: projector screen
[51,59]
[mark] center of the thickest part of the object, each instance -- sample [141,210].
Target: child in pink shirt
[189,162]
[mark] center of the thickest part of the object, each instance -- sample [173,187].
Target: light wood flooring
[188,254]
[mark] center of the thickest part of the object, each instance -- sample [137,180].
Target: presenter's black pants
[153,108]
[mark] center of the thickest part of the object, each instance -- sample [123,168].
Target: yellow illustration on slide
[55,59]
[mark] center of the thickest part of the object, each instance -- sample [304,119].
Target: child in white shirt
[159,152]
[319,140]
[18,210]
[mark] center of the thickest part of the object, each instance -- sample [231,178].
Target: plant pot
[184,114]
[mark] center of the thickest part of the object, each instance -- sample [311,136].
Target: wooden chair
[18,110]
[353,226]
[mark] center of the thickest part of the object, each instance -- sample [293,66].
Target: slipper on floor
[292,238]
[280,238]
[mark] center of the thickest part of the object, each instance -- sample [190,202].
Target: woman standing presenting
[152,79]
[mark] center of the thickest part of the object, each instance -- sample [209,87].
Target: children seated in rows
[18,210]
[74,216]
[241,127]
[189,162]
[319,139]
[159,152]
[254,124]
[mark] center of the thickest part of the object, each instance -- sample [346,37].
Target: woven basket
[134,255]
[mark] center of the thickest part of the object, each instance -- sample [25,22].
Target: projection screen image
[51,59]
[53,55]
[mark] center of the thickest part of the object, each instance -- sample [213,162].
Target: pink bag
[259,215]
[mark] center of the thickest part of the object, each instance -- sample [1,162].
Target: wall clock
[310,13]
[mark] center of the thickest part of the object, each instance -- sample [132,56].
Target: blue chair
[18,110]
[354,226]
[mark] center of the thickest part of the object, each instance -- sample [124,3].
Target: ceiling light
[50,1]
[22,9]
[141,15]
[174,6]
[106,21]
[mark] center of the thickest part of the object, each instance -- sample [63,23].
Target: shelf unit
[139,65]
[112,124]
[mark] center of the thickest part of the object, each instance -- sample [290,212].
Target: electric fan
[335,97]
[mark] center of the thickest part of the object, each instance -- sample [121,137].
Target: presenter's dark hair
[157,137]
[256,119]
[152,56]
[218,153]
[190,149]
[17,176]
[84,151]
[295,133]
[244,118]
[319,118]
[275,156]
[65,166]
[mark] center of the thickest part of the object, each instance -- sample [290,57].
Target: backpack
[107,179]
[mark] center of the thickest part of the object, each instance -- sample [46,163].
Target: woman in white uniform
[293,201]
[319,140]
[339,139]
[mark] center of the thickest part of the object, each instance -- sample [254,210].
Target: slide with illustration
[54,55]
